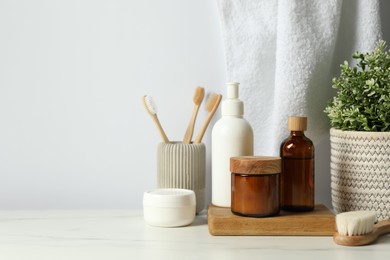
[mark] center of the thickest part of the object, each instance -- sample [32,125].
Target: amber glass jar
[255,185]
[297,177]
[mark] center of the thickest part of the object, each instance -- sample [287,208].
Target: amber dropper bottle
[297,176]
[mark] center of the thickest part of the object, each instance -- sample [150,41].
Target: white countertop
[122,234]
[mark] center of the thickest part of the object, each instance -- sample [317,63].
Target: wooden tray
[320,222]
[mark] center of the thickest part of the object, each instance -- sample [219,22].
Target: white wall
[73,132]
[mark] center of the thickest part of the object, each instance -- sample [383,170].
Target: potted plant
[360,135]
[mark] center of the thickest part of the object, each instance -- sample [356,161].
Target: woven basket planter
[360,171]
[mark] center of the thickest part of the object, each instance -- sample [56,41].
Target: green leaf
[363,93]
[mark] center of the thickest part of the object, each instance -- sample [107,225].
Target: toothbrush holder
[182,166]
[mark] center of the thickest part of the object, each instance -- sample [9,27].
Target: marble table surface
[123,234]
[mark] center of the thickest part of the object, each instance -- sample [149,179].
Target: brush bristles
[212,99]
[199,95]
[150,105]
[355,223]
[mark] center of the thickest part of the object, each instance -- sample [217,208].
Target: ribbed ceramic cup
[182,166]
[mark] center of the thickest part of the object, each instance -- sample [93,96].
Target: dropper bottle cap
[232,105]
[297,123]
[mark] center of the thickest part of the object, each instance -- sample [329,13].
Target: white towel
[285,54]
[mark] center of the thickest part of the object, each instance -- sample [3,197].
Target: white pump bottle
[232,136]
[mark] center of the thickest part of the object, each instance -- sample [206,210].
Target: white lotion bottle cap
[232,106]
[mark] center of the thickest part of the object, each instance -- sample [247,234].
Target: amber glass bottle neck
[297,133]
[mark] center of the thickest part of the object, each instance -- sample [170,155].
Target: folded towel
[285,54]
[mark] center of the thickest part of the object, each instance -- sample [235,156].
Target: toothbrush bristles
[150,105]
[211,101]
[199,95]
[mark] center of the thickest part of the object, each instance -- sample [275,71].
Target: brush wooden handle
[381,228]
[160,129]
[190,129]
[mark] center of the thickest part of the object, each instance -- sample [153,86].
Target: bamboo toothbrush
[357,228]
[211,106]
[152,110]
[197,99]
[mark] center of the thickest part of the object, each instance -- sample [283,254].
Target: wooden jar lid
[255,165]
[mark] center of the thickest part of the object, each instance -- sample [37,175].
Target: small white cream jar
[169,207]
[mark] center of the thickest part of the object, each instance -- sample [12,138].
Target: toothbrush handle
[160,129]
[208,119]
[199,138]
[190,129]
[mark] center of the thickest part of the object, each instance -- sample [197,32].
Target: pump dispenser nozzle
[232,90]
[232,106]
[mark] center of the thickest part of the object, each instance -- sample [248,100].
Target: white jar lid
[169,198]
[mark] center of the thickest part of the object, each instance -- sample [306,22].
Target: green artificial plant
[362,102]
